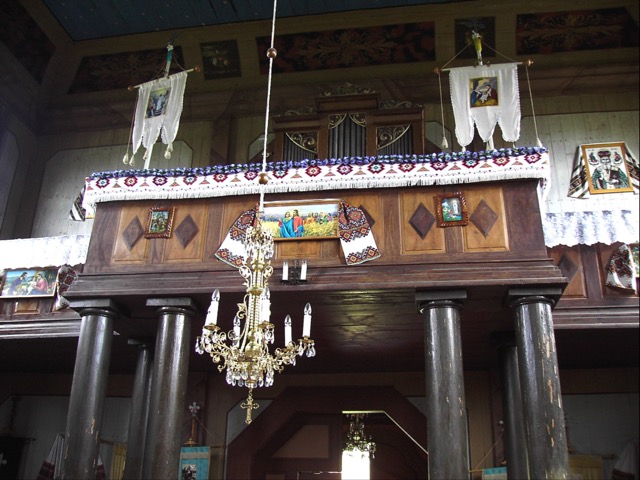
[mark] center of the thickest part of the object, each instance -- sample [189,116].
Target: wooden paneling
[190,215]
[485,234]
[503,219]
[127,252]
[412,242]
[569,260]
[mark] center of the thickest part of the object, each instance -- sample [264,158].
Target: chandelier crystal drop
[244,350]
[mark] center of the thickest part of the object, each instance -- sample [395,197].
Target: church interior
[246,239]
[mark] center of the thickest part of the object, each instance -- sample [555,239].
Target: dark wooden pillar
[540,382]
[84,419]
[139,411]
[447,434]
[515,439]
[168,387]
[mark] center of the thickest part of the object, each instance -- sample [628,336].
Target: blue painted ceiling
[93,19]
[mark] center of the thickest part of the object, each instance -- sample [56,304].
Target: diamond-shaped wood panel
[567,267]
[186,231]
[422,220]
[133,233]
[483,217]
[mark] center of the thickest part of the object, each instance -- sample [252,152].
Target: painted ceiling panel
[93,19]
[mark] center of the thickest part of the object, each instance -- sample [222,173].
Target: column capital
[440,298]
[100,306]
[527,295]
[182,305]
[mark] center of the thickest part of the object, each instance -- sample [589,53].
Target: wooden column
[86,403]
[515,439]
[447,434]
[139,411]
[168,387]
[540,383]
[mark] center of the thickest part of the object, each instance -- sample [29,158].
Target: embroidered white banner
[485,96]
[158,112]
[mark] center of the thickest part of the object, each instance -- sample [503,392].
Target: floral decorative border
[243,168]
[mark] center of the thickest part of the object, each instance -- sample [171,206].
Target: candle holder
[295,274]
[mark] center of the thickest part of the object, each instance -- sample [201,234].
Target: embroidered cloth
[318,175]
[356,239]
[573,216]
[51,468]
[485,96]
[579,185]
[622,270]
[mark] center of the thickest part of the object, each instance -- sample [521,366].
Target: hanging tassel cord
[444,136]
[126,160]
[452,59]
[533,111]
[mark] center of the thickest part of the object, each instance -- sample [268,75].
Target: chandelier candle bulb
[265,314]
[236,331]
[303,271]
[285,271]
[212,312]
[287,330]
[306,325]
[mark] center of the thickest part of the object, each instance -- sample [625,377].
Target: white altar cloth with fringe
[318,175]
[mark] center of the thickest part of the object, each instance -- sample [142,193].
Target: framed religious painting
[302,219]
[451,209]
[606,167]
[159,222]
[33,282]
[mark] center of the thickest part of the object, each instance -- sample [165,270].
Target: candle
[303,271]
[285,271]
[287,330]
[212,312]
[306,325]
[236,331]
[265,311]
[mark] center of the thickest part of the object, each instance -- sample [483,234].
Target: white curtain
[485,96]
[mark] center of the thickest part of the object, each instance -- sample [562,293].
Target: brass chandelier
[244,350]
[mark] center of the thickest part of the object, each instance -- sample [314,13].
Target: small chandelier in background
[357,441]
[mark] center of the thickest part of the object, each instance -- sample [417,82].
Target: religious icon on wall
[160,222]
[451,209]
[302,219]
[606,168]
[29,283]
